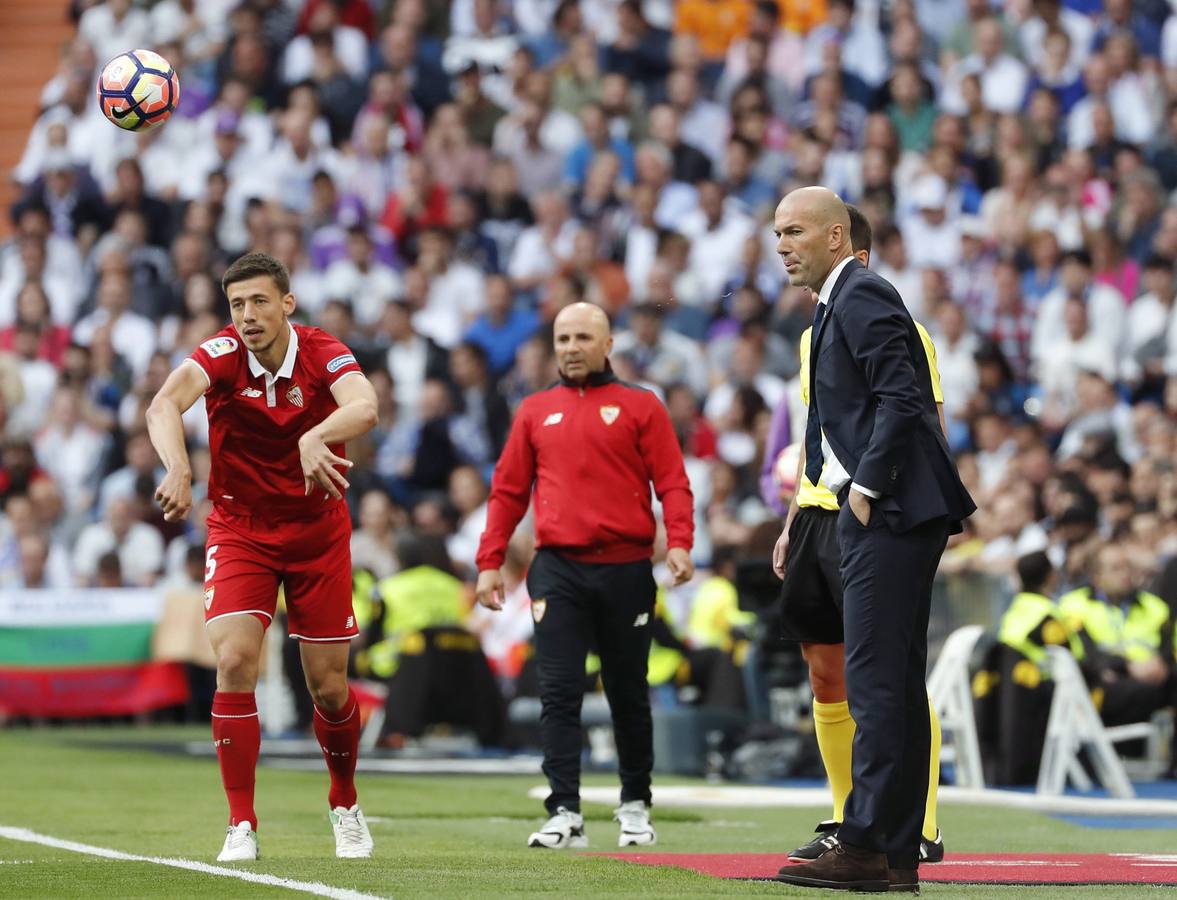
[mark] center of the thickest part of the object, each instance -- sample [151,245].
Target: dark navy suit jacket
[870,384]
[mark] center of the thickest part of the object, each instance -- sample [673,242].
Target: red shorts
[247,558]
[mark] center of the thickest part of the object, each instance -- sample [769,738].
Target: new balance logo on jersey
[642,619]
[251,392]
[554,419]
[222,742]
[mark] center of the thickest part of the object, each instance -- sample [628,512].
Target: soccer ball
[138,90]
[784,471]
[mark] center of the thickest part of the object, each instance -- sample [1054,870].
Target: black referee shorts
[811,596]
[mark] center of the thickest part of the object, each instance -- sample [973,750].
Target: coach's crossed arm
[356,415]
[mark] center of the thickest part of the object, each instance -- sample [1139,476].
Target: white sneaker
[352,838]
[563,830]
[240,843]
[636,830]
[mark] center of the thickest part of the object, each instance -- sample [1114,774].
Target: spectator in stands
[482,418]
[70,450]
[503,327]
[1128,636]
[137,546]
[455,289]
[133,335]
[372,543]
[38,380]
[640,51]
[468,492]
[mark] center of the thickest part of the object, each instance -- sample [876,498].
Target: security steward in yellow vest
[1132,632]
[1013,690]
[408,603]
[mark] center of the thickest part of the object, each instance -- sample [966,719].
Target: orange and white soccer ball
[138,90]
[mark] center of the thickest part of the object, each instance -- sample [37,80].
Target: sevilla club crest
[539,606]
[208,597]
[294,395]
[609,414]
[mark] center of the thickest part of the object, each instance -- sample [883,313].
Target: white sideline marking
[307,887]
[765,797]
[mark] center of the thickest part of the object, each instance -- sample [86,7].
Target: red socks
[338,734]
[237,735]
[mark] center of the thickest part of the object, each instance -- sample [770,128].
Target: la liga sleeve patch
[219,346]
[339,362]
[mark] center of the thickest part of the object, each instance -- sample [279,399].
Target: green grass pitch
[435,836]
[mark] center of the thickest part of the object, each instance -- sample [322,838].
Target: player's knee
[330,693]
[827,688]
[827,674]
[236,668]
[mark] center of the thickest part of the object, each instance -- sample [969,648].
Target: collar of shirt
[286,370]
[827,288]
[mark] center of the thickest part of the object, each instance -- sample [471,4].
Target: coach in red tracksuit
[591,445]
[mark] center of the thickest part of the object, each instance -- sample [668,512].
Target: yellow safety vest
[1135,636]
[1032,623]
[415,599]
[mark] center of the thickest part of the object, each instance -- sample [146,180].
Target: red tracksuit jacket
[591,452]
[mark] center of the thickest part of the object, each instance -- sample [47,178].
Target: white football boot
[636,830]
[564,830]
[240,843]
[352,838]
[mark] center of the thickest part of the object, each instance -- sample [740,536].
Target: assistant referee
[591,445]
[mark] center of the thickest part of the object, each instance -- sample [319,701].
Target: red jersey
[591,453]
[255,420]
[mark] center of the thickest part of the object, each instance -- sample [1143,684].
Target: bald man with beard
[873,426]
[585,452]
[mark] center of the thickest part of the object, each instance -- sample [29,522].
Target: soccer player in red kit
[281,400]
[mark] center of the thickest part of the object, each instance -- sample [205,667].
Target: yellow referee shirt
[819,495]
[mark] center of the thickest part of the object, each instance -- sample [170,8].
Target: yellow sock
[930,826]
[835,741]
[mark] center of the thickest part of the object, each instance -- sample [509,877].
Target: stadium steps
[32,33]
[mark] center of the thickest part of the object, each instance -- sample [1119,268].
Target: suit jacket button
[894,472]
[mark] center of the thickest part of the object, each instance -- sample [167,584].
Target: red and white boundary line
[306,887]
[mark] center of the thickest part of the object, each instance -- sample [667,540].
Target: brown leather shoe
[841,868]
[904,880]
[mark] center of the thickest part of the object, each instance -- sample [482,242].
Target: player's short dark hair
[861,234]
[252,265]
[1034,570]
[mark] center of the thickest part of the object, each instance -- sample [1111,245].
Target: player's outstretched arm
[356,415]
[166,429]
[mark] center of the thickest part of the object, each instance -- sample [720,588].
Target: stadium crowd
[442,178]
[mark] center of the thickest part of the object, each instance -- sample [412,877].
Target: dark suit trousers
[887,593]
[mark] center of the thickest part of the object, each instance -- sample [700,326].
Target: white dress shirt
[835,472]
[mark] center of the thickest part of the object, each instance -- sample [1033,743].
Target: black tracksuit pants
[607,608]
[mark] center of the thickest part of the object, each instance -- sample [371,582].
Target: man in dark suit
[873,424]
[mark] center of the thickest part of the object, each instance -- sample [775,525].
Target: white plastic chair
[951,689]
[1073,724]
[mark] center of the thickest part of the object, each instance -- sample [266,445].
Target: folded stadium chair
[950,687]
[1074,724]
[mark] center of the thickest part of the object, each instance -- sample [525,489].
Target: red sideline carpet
[968,868]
